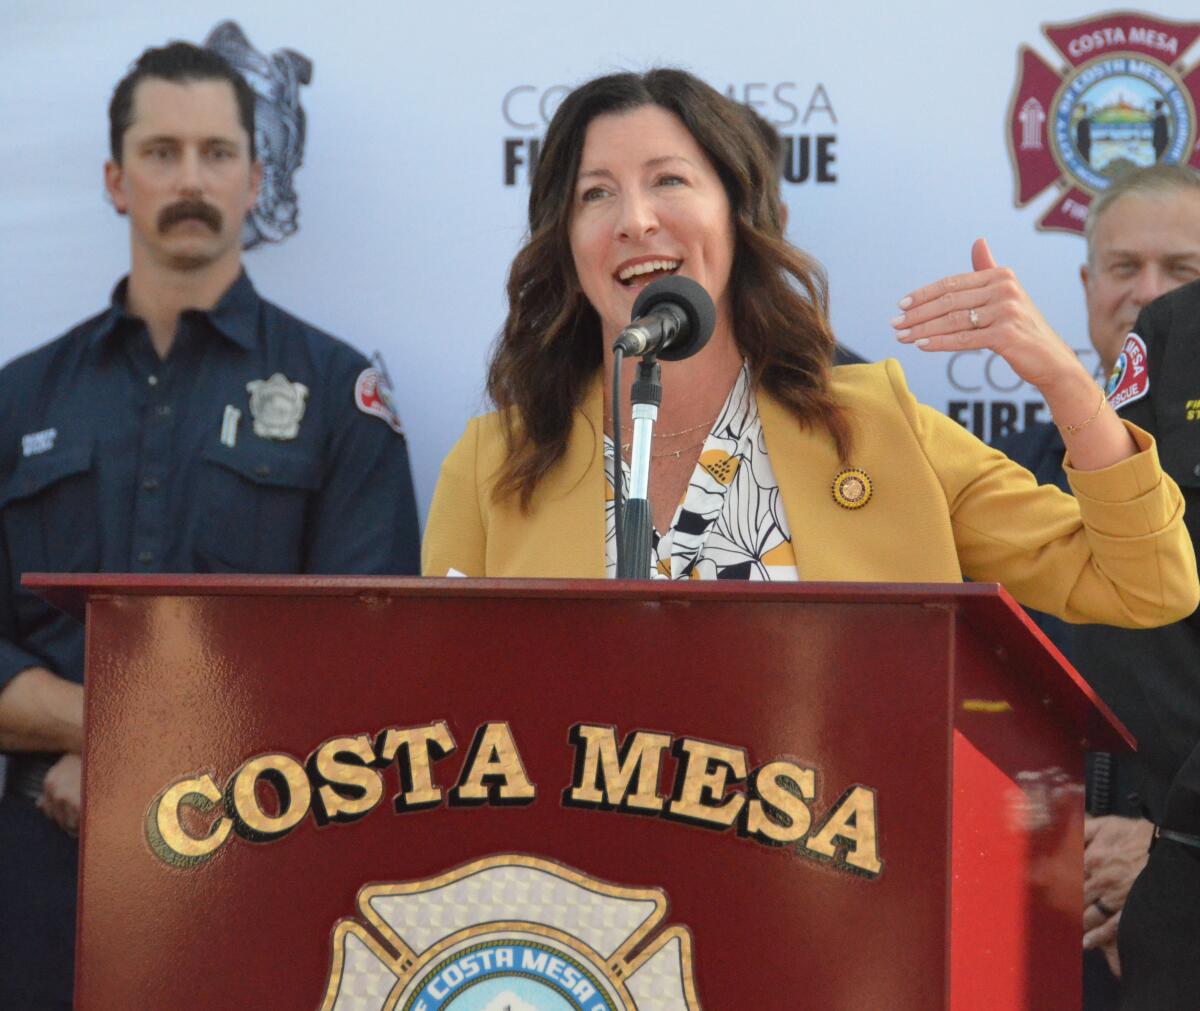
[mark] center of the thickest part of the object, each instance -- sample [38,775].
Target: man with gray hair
[1143,241]
[1153,681]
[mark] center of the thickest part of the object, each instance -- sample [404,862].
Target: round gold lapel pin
[852,488]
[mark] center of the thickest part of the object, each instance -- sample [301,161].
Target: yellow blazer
[944,505]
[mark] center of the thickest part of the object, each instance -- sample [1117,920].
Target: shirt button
[150,483]
[152,380]
[1196,470]
[163,410]
[263,470]
[145,557]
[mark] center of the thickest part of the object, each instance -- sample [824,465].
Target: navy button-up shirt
[114,460]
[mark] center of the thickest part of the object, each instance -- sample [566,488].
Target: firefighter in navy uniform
[190,427]
[1143,241]
[1156,673]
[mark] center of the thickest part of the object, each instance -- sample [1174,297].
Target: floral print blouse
[730,524]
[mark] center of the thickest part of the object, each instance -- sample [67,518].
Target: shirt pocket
[255,506]
[50,515]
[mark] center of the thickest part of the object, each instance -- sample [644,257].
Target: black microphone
[672,318]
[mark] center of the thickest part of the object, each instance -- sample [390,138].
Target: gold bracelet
[1073,429]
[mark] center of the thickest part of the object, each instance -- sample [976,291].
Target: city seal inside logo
[1124,100]
[1118,113]
[510,933]
[276,405]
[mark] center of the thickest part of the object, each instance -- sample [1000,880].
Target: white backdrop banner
[401,137]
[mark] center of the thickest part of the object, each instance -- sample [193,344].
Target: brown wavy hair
[550,348]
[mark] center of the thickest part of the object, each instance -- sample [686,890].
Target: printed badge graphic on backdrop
[279,128]
[1123,100]
[510,933]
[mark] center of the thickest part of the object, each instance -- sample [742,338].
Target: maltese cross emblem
[1122,99]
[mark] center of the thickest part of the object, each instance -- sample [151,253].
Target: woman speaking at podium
[768,463]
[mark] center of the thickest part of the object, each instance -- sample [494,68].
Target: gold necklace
[673,454]
[682,431]
[676,454]
[625,446]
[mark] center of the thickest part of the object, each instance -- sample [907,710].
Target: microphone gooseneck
[672,319]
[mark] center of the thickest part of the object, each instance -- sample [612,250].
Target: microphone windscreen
[696,304]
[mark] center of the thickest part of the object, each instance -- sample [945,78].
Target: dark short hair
[179,62]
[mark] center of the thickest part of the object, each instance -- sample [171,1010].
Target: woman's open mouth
[642,272]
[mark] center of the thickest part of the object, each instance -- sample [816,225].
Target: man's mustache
[184,210]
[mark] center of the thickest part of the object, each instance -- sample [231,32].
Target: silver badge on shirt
[276,405]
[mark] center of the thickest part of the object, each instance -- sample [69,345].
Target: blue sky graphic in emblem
[515,993]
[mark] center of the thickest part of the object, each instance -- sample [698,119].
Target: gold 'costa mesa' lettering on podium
[349,788]
[712,787]
[493,772]
[604,773]
[341,781]
[415,749]
[774,809]
[164,827]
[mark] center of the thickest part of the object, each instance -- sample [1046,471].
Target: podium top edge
[71,591]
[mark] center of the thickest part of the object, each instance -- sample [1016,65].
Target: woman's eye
[589,195]
[670,180]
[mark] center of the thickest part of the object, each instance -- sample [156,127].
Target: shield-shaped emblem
[277,405]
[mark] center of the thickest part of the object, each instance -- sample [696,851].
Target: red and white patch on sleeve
[1130,379]
[372,395]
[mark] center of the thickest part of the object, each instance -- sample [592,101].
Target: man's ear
[114,180]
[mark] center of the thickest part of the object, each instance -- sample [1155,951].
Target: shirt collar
[235,315]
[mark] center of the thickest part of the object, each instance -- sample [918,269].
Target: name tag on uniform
[229,426]
[38,442]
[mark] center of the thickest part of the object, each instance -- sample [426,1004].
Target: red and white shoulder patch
[372,395]
[1130,379]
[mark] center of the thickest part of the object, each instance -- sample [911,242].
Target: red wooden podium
[352,793]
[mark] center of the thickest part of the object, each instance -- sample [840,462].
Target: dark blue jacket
[112,460]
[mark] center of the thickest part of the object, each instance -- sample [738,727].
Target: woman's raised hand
[987,308]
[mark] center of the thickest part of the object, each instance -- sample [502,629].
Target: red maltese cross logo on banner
[1123,99]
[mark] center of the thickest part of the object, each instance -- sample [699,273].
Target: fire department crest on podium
[510,933]
[1123,99]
